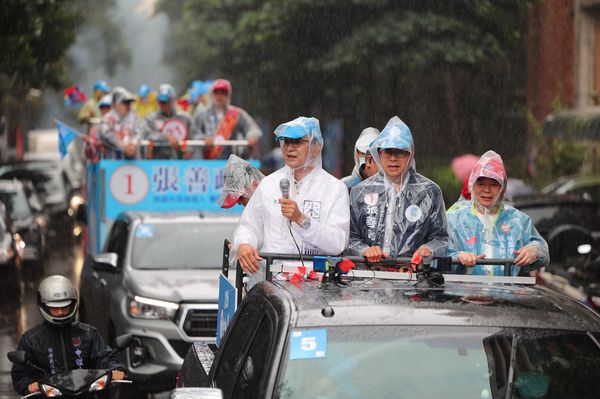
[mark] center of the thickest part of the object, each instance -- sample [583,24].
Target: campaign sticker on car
[308,344]
[144,231]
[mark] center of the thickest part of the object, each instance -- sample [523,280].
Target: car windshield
[195,245]
[439,362]
[16,204]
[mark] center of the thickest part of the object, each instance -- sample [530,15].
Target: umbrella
[462,165]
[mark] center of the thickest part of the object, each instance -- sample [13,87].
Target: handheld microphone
[284,186]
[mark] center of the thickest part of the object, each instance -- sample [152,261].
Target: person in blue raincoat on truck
[485,227]
[397,212]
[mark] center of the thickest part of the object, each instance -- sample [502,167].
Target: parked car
[157,279]
[565,222]
[587,187]
[384,339]
[29,228]
[10,245]
[51,182]
[517,189]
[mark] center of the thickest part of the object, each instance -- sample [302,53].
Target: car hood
[175,285]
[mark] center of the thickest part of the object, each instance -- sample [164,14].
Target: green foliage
[443,177]
[36,34]
[555,157]
[453,70]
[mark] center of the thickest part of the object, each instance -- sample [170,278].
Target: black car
[565,222]
[25,222]
[376,338]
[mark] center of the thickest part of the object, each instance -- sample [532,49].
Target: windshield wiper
[511,369]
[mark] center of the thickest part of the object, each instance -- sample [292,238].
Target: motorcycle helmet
[57,292]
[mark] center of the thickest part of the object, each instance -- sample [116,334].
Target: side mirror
[122,342]
[196,393]
[18,357]
[106,262]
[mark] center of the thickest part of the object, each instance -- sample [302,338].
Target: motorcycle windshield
[74,382]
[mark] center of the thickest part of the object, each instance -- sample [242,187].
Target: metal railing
[444,264]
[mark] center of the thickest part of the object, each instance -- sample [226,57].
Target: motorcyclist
[484,226]
[157,126]
[90,109]
[240,180]
[314,217]
[60,343]
[223,121]
[397,212]
[145,102]
[364,164]
[120,129]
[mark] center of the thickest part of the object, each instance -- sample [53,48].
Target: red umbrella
[462,165]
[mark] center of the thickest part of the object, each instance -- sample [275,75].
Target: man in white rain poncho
[397,212]
[240,180]
[364,164]
[313,220]
[485,227]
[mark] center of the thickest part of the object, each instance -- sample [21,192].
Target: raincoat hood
[490,165]
[221,84]
[363,143]
[240,179]
[396,134]
[299,128]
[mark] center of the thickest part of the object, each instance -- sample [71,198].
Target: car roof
[176,217]
[553,200]
[393,302]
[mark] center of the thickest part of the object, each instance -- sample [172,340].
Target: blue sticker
[144,231]
[308,344]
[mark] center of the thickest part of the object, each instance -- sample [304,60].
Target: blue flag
[66,134]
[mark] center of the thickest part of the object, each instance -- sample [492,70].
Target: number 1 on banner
[129,192]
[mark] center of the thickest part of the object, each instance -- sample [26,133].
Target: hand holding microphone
[289,208]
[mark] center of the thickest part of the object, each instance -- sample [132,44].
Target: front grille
[181,347]
[201,323]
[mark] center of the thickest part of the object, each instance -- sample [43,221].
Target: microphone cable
[295,243]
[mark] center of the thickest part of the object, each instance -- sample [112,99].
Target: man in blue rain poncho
[485,227]
[313,220]
[364,164]
[397,212]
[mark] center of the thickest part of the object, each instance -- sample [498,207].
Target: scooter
[79,383]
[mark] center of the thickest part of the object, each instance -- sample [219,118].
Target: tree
[35,38]
[453,70]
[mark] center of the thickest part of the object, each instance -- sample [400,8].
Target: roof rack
[422,273]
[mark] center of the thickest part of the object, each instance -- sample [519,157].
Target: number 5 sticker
[308,344]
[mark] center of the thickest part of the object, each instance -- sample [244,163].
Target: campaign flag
[66,134]
[74,95]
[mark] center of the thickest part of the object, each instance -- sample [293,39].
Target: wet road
[18,297]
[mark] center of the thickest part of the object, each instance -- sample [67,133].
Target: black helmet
[57,292]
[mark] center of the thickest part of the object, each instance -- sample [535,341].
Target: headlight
[76,200]
[50,391]
[99,384]
[146,308]
[41,221]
